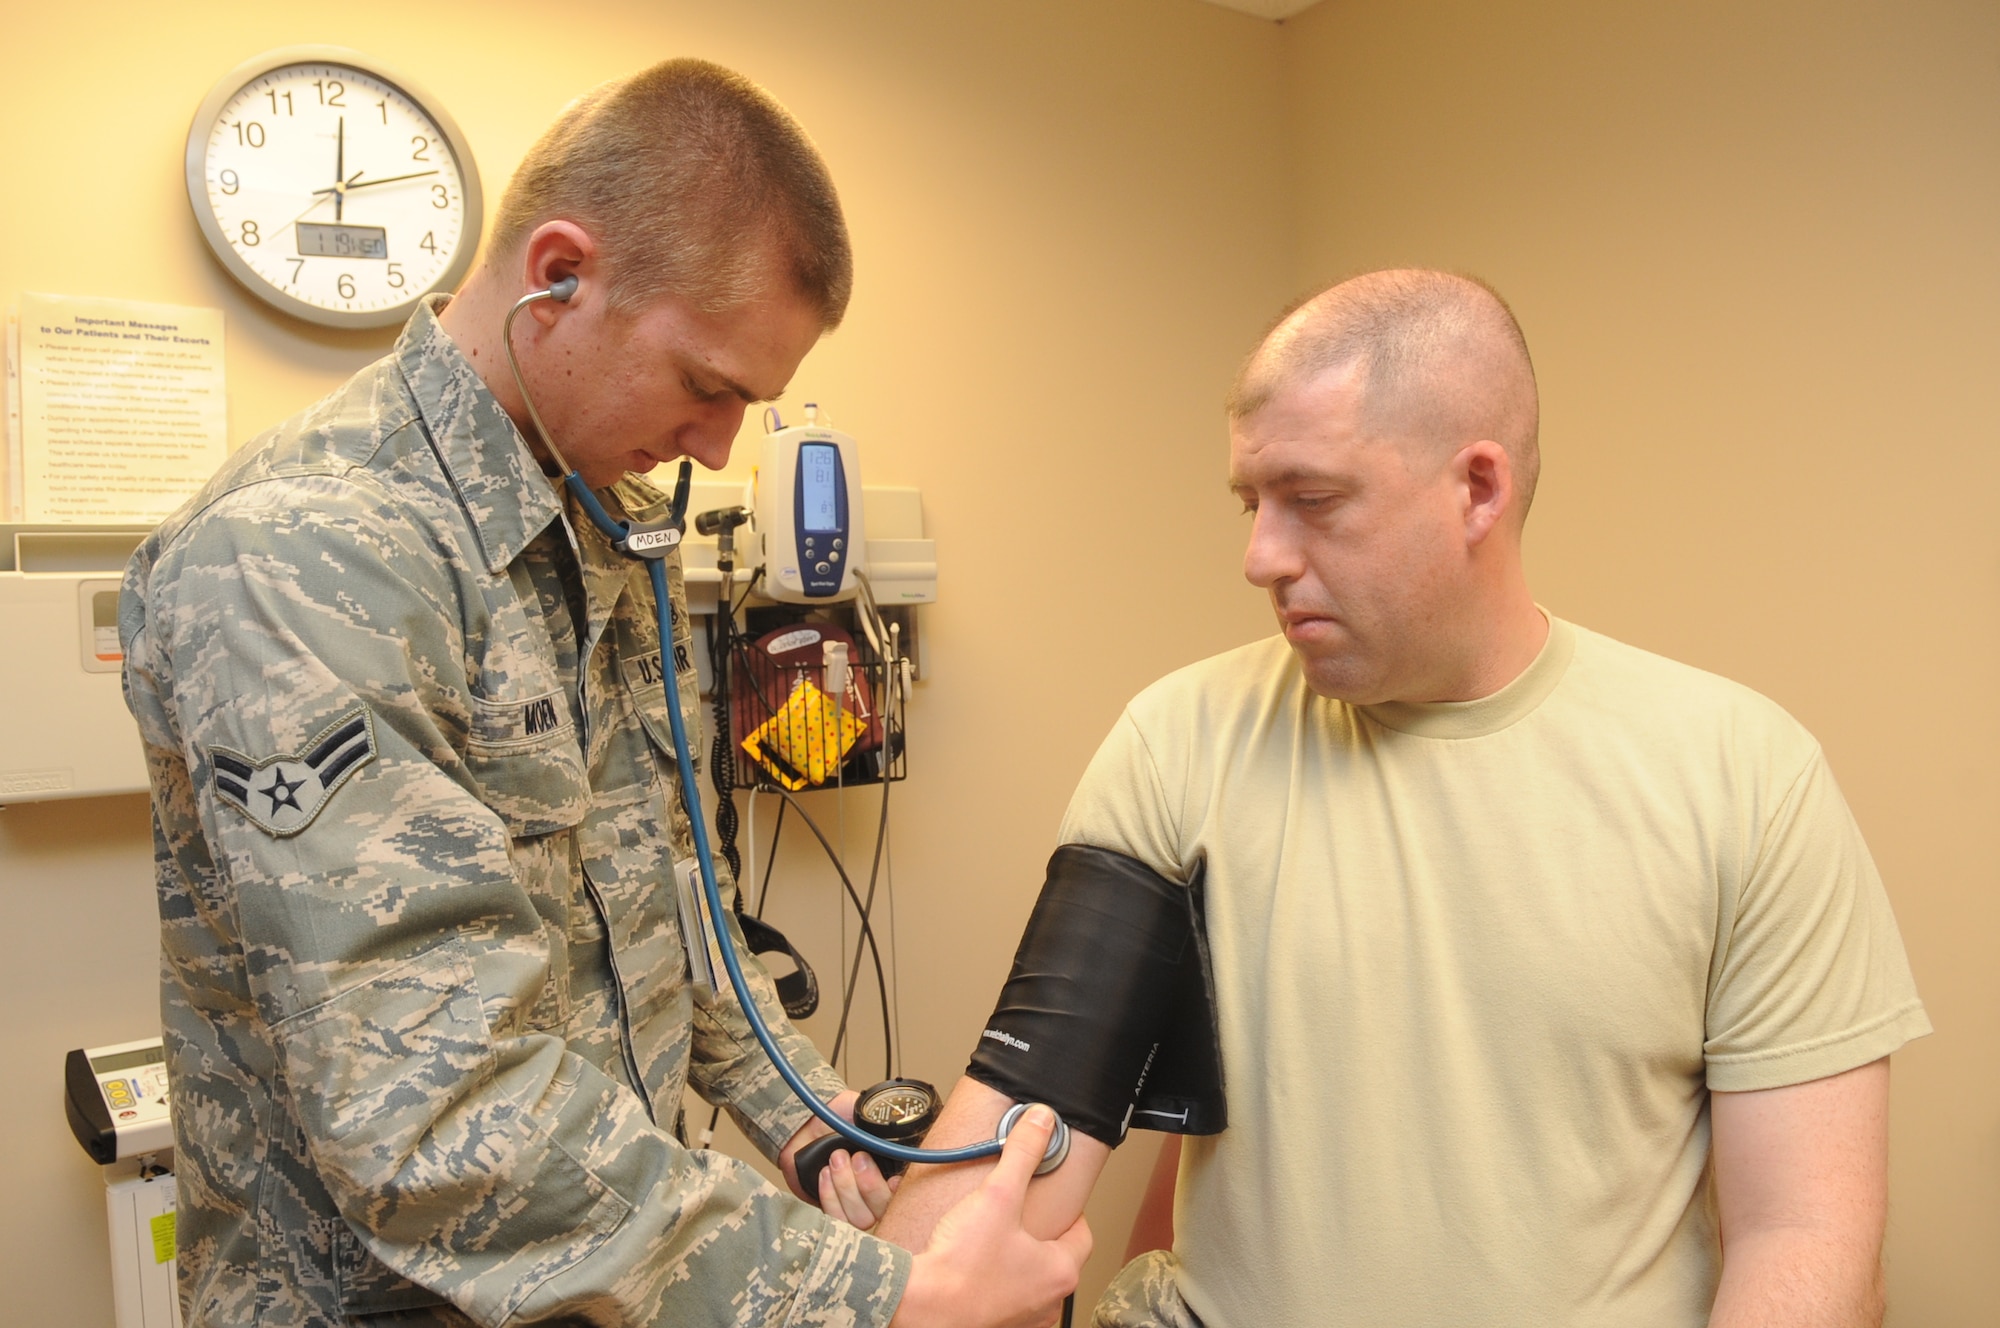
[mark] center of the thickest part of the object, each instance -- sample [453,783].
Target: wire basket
[788,729]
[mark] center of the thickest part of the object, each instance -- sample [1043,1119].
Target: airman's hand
[981,1268]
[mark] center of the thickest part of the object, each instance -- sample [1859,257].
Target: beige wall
[1745,252]
[1753,247]
[1068,223]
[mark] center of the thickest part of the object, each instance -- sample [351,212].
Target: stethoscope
[650,542]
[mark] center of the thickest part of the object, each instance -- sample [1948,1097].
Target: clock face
[330,191]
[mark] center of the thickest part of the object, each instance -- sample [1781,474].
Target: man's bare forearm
[1802,1189]
[1798,1279]
[971,1114]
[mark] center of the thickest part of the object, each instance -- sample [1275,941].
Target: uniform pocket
[366,1285]
[424,1137]
[524,757]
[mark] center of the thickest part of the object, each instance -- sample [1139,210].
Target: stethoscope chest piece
[1058,1149]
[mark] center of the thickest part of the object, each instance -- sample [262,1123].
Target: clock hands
[309,207]
[348,185]
[344,183]
[339,189]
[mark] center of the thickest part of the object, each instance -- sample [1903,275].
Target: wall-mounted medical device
[117,1104]
[116,1100]
[805,508]
[70,735]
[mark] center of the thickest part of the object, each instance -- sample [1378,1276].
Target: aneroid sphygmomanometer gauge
[900,1110]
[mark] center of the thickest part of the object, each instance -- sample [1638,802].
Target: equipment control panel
[116,1099]
[806,506]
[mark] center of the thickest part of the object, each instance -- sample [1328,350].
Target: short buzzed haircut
[698,184]
[1442,357]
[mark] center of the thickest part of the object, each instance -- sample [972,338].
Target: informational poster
[10,460]
[122,411]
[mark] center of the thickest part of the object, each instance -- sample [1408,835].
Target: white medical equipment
[68,734]
[116,1100]
[806,512]
[117,1104]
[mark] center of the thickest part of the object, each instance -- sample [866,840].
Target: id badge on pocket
[696,933]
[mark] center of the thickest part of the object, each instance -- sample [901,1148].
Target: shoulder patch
[282,794]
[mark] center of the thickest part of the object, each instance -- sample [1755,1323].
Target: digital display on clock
[316,240]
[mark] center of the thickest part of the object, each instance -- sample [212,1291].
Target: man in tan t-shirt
[1554,982]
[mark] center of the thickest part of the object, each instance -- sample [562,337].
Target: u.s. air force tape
[282,794]
[1109,1013]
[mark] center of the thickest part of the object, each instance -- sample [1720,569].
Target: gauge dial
[897,1108]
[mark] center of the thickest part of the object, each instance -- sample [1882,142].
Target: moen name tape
[651,541]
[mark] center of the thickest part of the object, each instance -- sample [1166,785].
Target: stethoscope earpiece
[560,291]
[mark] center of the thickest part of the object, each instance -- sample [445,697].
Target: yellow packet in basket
[806,741]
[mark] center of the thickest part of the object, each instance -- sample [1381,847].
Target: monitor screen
[819,478]
[125,1060]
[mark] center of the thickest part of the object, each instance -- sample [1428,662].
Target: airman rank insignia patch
[282,794]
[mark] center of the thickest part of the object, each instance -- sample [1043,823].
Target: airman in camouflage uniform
[418,825]
[426,1000]
[1145,1294]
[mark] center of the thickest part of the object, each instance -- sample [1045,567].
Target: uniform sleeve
[1122,804]
[401,963]
[1809,978]
[728,1067]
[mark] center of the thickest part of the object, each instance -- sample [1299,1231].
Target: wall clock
[332,188]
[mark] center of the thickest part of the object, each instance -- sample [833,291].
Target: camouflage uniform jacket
[415,813]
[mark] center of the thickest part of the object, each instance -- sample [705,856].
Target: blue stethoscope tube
[718,912]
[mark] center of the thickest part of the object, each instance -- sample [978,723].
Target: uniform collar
[506,497]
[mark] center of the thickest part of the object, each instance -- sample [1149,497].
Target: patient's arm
[971,1114]
[1153,1227]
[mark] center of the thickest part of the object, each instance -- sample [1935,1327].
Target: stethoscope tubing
[718,915]
[718,912]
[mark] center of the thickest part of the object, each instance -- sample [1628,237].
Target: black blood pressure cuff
[1109,1013]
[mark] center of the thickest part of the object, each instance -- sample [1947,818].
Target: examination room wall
[1069,224]
[1753,248]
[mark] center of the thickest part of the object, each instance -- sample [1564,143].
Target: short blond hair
[1443,360]
[697,183]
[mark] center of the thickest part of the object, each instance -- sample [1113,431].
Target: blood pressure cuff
[1109,1013]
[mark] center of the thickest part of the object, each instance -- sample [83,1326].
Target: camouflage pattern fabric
[1145,1294]
[415,811]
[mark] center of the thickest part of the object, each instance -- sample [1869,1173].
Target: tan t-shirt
[1479,963]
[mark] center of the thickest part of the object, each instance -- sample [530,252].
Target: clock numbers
[327,211]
